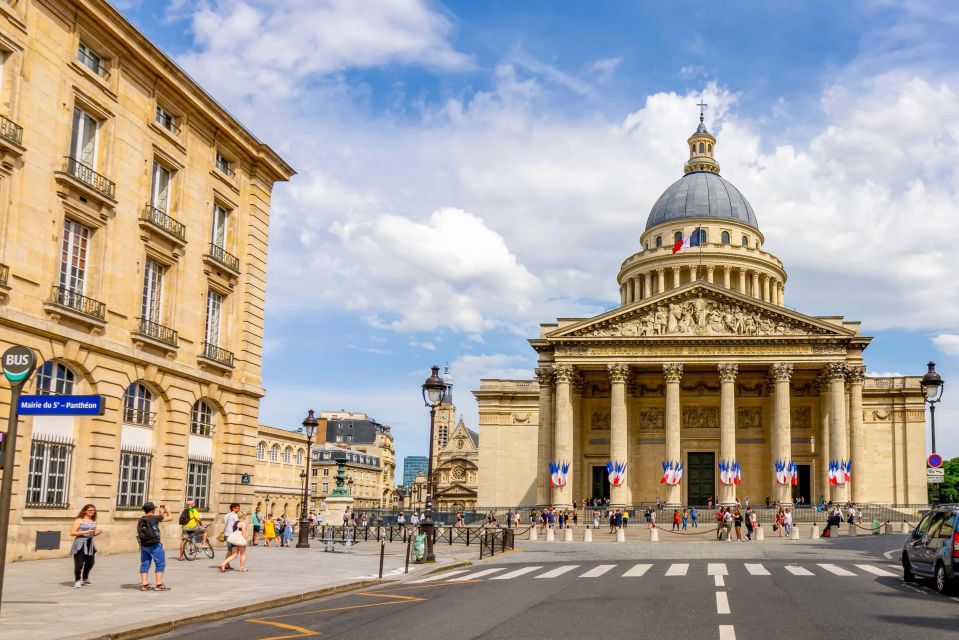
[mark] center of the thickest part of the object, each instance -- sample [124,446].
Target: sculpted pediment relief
[698,312]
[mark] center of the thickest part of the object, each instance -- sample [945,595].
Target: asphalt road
[802,591]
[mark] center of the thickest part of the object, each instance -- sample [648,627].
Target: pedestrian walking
[738,523]
[575,517]
[618,519]
[729,523]
[237,542]
[612,520]
[685,518]
[257,521]
[229,524]
[625,518]
[720,521]
[595,519]
[84,529]
[750,523]
[780,523]
[288,531]
[676,520]
[509,518]
[151,549]
[269,531]
[694,517]
[788,521]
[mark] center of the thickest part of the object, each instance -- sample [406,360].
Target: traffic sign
[934,461]
[18,363]
[935,476]
[61,405]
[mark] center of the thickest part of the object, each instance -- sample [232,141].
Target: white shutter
[161,187]
[73,256]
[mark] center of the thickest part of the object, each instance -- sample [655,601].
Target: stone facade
[364,472]
[280,459]
[456,473]
[364,434]
[701,364]
[134,216]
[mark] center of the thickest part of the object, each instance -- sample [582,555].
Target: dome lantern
[702,146]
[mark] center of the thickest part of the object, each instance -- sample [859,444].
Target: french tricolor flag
[692,241]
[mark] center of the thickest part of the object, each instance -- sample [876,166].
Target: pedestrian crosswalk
[720,570]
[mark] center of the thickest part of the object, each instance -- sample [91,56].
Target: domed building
[702,383]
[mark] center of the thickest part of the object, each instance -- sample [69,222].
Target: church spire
[701,147]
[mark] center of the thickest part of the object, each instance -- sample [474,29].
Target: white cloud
[885,374]
[948,343]
[604,68]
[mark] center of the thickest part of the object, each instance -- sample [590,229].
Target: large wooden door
[700,477]
[600,483]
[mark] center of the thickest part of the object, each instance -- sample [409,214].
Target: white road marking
[889,554]
[756,569]
[720,581]
[722,602]
[677,569]
[596,572]
[637,571]
[876,571]
[716,569]
[839,571]
[478,574]
[727,632]
[798,571]
[516,574]
[441,576]
[558,571]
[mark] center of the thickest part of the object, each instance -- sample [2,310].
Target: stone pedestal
[567,535]
[760,536]
[852,529]
[654,535]
[532,533]
[620,535]
[887,528]
[587,535]
[550,535]
[815,532]
[335,508]
[794,534]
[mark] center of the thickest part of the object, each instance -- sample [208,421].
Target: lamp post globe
[309,427]
[434,393]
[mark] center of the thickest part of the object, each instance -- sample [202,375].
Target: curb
[455,565]
[158,628]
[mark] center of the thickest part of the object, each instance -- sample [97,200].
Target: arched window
[275,453]
[138,405]
[678,236]
[261,451]
[692,150]
[659,241]
[201,420]
[745,241]
[702,148]
[725,237]
[299,456]
[55,379]
[288,455]
[710,148]
[702,236]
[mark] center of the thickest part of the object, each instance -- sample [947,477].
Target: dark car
[933,548]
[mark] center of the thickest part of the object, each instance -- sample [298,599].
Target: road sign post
[18,364]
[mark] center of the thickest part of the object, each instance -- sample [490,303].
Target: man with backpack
[151,550]
[190,523]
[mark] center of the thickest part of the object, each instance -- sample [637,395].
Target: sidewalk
[40,602]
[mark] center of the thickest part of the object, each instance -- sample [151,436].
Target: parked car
[933,548]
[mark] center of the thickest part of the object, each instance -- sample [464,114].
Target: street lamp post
[309,426]
[932,385]
[434,393]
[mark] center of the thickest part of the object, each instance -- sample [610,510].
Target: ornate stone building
[702,365]
[367,436]
[457,470]
[280,459]
[134,221]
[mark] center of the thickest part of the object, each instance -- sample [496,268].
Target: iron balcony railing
[215,353]
[93,63]
[4,274]
[223,256]
[88,176]
[11,130]
[80,303]
[164,221]
[157,331]
[138,417]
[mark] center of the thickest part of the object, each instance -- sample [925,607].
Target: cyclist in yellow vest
[190,523]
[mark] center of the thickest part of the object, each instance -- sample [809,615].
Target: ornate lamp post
[309,426]
[434,392]
[932,385]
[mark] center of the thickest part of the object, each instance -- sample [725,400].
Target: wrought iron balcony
[224,257]
[91,178]
[164,221]
[11,130]
[138,417]
[4,274]
[215,353]
[158,332]
[74,301]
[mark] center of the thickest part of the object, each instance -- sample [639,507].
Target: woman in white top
[238,541]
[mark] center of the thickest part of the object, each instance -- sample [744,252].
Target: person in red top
[676,520]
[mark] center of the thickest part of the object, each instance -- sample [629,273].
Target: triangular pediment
[700,310]
[456,490]
[461,440]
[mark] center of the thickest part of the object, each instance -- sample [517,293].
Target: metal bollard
[587,535]
[382,553]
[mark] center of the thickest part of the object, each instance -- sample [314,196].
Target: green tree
[949,489]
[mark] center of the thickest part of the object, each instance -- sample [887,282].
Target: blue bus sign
[61,406]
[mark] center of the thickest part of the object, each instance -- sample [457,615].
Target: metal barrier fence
[492,540]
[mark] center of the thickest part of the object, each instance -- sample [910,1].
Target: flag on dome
[692,241]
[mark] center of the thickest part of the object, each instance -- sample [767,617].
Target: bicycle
[193,545]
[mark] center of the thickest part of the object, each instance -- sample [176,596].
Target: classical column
[648,282]
[727,425]
[766,295]
[661,272]
[544,376]
[781,436]
[563,434]
[618,436]
[824,406]
[838,433]
[742,281]
[693,273]
[577,477]
[855,376]
[676,277]
[756,292]
[673,373]
[640,293]
[622,294]
[727,272]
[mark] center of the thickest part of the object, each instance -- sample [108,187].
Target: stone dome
[702,194]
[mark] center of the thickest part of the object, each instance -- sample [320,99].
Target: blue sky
[468,170]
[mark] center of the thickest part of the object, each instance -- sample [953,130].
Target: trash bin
[419,547]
